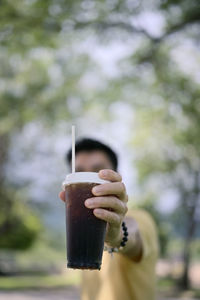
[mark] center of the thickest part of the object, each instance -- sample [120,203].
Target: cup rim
[79,177]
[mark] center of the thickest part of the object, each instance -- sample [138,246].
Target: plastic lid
[83,177]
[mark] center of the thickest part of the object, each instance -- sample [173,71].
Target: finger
[110,175]
[108,216]
[111,202]
[113,188]
[62,195]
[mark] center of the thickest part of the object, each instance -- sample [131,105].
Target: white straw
[73,148]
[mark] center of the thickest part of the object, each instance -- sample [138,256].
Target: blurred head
[92,156]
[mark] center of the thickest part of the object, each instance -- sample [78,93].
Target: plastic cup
[85,232]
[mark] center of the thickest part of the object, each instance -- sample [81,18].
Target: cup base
[84,266]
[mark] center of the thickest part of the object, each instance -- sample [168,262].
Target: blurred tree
[18,226]
[37,84]
[169,148]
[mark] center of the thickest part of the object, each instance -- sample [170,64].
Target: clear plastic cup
[85,232]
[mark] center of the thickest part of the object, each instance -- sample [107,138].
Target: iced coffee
[85,232]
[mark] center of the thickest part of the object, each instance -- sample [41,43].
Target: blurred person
[128,267]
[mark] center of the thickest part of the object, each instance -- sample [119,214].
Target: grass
[42,266]
[39,281]
[167,287]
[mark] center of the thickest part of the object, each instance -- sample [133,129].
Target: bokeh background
[125,72]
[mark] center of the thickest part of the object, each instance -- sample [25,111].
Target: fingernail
[104,172]
[97,211]
[88,203]
[96,190]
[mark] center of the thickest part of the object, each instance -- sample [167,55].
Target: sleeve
[148,232]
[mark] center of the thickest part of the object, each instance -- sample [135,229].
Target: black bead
[125,234]
[125,239]
[123,225]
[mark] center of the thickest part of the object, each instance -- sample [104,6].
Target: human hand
[110,205]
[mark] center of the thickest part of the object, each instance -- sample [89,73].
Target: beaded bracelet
[123,242]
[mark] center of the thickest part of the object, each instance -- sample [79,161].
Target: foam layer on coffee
[83,177]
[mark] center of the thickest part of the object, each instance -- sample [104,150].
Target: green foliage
[40,281]
[19,227]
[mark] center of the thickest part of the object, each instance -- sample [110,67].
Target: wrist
[116,241]
[115,236]
[120,241]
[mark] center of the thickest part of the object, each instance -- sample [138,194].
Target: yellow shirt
[120,277]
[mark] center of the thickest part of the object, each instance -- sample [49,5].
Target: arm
[133,248]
